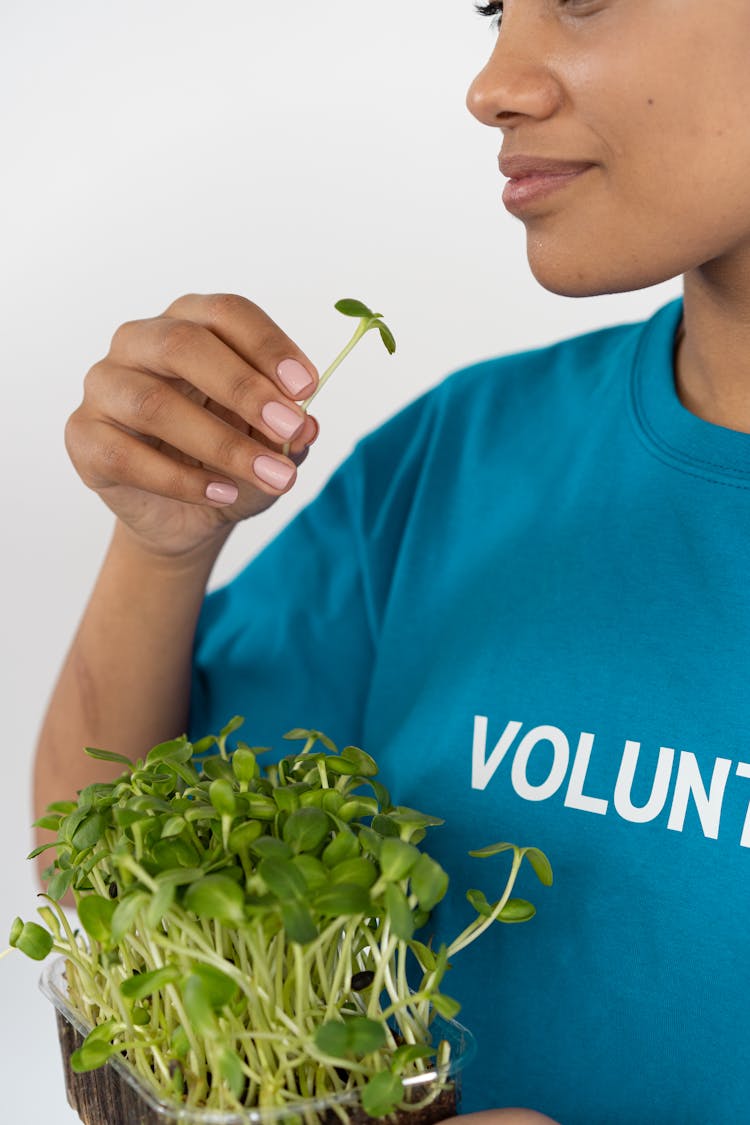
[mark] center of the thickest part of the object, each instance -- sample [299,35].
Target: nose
[518,80]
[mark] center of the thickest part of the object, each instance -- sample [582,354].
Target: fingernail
[294,376]
[222,493]
[281,419]
[273,472]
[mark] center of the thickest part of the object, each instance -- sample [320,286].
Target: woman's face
[655,94]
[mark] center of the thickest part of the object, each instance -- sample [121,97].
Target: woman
[525,594]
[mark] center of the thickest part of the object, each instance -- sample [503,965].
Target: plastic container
[116,1095]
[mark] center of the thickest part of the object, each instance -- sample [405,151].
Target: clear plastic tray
[130,1100]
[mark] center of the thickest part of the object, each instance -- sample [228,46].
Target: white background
[291,152]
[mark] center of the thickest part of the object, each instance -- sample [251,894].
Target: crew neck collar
[673,433]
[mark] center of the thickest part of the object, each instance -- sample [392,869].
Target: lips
[520,166]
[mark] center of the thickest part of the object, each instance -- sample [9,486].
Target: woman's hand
[182,424]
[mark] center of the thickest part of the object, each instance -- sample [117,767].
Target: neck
[712,349]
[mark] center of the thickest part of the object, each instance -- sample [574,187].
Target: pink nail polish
[273,472]
[222,493]
[281,419]
[295,377]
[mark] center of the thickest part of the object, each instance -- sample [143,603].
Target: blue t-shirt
[527,595]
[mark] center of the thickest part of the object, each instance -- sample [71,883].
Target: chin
[577,274]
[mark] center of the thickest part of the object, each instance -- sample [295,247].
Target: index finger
[250,332]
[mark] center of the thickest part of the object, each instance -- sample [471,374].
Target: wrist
[196,562]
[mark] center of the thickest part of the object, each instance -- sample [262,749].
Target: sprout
[367,320]
[247,932]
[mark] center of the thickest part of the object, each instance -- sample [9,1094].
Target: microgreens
[367,320]
[247,929]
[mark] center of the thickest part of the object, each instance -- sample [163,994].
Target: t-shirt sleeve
[291,641]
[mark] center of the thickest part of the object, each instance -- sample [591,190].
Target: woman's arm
[124,685]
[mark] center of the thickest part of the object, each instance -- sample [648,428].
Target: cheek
[667,113]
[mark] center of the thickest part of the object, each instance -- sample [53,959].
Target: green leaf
[306,829]
[401,919]
[397,858]
[358,807]
[385,826]
[220,989]
[233,725]
[316,876]
[423,953]
[89,832]
[195,997]
[51,821]
[478,900]
[331,801]
[108,756]
[492,849]
[175,852]
[260,807]
[382,1094]
[404,815]
[517,910]
[95,913]
[230,1069]
[409,1052]
[270,847]
[541,865]
[371,841]
[91,1055]
[342,899]
[31,938]
[204,744]
[64,807]
[59,884]
[445,1006]
[141,985]
[42,848]
[243,835]
[221,795]
[244,764]
[286,798]
[358,870]
[429,882]
[126,818]
[344,845]
[181,876]
[179,1042]
[215,767]
[217,897]
[172,826]
[351,307]
[70,824]
[125,913]
[105,1032]
[387,337]
[365,1035]
[177,749]
[282,879]
[160,904]
[331,1038]
[298,922]
[340,766]
[366,765]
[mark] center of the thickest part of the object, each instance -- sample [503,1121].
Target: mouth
[523,190]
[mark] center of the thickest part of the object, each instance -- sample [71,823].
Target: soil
[103,1097]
